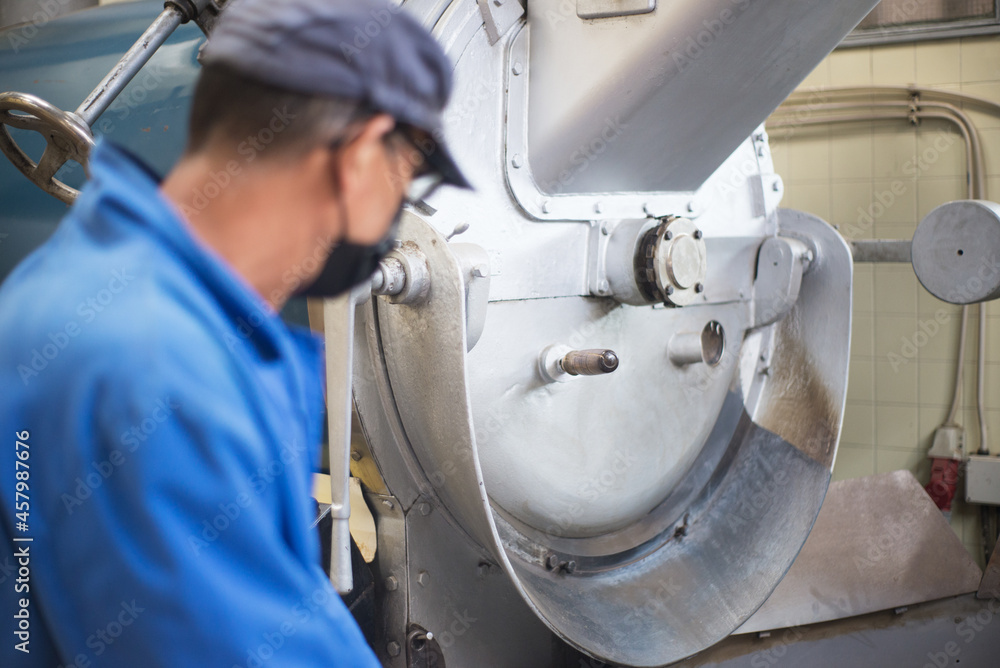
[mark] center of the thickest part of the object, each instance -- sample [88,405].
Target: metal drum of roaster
[624,385]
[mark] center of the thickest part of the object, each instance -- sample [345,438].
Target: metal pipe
[957,394]
[925,97]
[881,250]
[984,448]
[961,98]
[974,156]
[125,70]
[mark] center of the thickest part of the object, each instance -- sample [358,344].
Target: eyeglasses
[423,186]
[425,180]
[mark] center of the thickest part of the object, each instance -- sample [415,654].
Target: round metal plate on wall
[956,252]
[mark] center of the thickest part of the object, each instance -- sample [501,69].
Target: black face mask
[351,264]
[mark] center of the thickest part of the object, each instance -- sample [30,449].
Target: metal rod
[881,250]
[125,70]
[338,330]
[984,447]
[957,394]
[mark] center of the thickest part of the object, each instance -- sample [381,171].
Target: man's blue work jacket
[163,421]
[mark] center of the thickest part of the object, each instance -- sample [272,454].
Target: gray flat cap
[366,50]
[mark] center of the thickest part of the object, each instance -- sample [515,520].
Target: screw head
[425,509]
[669,235]
[423,578]
[699,288]
[388,504]
[551,561]
[391,583]
[355,455]
[698,234]
[517,161]
[603,287]
[570,566]
[393,648]
[517,68]
[546,206]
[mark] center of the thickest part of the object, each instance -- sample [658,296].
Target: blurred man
[161,420]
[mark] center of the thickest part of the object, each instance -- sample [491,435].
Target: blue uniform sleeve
[175,529]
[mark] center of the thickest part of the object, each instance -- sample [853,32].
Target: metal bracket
[500,16]
[203,12]
[597,265]
[603,9]
[780,265]
[475,266]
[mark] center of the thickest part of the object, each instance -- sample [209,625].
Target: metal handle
[592,362]
[558,363]
[338,330]
[67,134]
[67,137]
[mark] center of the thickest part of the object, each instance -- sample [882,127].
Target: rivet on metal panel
[546,206]
[355,455]
[516,162]
[393,648]
[423,578]
[551,561]
[517,68]
[598,208]
[388,504]
[391,583]
[425,509]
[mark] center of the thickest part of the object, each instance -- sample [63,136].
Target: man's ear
[362,159]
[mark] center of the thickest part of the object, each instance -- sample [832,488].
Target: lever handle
[592,362]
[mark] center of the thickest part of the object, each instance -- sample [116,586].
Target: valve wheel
[67,137]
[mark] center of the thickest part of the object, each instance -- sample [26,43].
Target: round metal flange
[672,262]
[956,251]
[67,138]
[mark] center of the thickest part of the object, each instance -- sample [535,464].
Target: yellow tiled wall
[899,393]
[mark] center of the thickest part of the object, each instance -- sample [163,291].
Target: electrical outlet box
[982,480]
